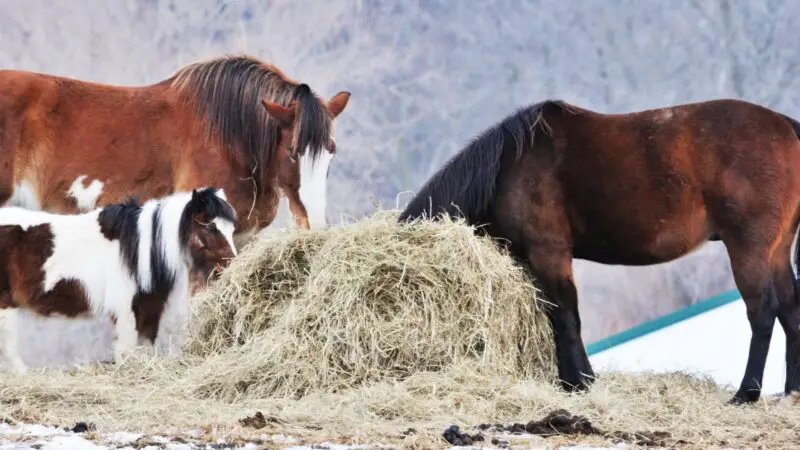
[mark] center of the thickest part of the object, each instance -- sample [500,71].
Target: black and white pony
[125,261]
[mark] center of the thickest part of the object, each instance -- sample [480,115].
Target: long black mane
[119,221]
[227,92]
[465,186]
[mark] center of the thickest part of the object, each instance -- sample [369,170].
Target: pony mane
[227,93]
[465,185]
[153,236]
[120,221]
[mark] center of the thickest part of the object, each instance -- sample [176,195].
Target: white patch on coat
[85,197]
[24,196]
[144,272]
[313,186]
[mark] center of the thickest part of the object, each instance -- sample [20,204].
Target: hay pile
[366,330]
[305,311]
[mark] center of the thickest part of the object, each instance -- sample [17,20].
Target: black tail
[796,256]
[795,125]
[465,186]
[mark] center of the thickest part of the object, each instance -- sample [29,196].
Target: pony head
[206,231]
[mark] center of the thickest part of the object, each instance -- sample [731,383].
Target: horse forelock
[314,127]
[227,92]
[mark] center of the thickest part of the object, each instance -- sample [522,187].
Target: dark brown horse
[233,122]
[559,182]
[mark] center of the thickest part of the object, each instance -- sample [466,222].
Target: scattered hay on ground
[305,311]
[139,398]
[364,331]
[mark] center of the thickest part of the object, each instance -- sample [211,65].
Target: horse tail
[795,124]
[796,240]
[465,186]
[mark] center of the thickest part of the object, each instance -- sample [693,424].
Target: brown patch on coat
[22,256]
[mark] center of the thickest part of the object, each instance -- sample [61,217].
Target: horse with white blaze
[126,261]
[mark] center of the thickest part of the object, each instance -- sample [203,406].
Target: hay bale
[302,311]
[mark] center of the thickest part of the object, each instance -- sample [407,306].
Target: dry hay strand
[304,311]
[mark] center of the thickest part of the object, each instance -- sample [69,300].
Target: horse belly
[645,243]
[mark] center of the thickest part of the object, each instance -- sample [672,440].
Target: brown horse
[233,122]
[558,182]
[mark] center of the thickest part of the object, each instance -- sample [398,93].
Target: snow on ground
[40,437]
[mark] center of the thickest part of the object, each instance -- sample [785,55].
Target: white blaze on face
[313,186]
[226,228]
[85,197]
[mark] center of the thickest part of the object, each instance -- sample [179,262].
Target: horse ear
[338,102]
[284,115]
[194,194]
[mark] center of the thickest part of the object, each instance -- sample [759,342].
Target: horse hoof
[743,398]
[791,399]
[576,386]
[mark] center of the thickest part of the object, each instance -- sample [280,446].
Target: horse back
[649,186]
[55,130]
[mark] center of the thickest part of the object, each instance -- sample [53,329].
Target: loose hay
[372,329]
[375,300]
[140,397]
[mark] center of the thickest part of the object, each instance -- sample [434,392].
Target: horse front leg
[552,271]
[296,207]
[125,334]
[8,324]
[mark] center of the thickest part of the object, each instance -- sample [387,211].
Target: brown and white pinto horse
[126,261]
[234,122]
[558,182]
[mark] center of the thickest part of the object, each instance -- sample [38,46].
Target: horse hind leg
[8,324]
[789,318]
[762,287]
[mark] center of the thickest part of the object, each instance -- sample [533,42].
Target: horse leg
[552,271]
[789,318]
[760,286]
[8,323]
[125,334]
[296,207]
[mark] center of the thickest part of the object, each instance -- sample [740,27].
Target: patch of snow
[31,430]
[123,437]
[179,446]
[73,442]
[280,438]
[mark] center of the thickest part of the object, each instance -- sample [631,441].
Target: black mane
[119,221]
[465,185]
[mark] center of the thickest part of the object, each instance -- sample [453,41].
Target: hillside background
[426,76]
